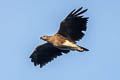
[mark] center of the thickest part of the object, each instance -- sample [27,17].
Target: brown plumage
[71,30]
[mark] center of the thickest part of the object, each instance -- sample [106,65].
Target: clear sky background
[22,22]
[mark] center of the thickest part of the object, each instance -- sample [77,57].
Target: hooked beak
[40,37]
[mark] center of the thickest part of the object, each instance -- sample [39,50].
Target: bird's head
[45,37]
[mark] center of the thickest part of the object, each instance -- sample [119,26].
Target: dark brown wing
[45,53]
[73,25]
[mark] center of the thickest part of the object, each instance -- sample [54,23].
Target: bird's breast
[67,45]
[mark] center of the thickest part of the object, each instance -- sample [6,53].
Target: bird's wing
[45,53]
[73,25]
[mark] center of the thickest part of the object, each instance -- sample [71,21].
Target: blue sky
[22,22]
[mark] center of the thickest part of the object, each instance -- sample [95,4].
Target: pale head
[45,37]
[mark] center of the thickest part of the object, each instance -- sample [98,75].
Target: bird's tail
[80,49]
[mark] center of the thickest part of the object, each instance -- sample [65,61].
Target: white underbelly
[68,43]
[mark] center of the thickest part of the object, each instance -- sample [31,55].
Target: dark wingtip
[77,11]
[71,12]
[81,12]
[41,65]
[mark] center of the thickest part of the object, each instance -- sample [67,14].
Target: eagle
[71,30]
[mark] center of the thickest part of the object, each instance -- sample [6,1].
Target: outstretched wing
[45,53]
[73,25]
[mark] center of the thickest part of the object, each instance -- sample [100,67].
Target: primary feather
[73,25]
[45,53]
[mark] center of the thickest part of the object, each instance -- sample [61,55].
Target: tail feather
[81,49]
[85,49]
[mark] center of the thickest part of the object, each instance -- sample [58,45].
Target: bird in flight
[70,31]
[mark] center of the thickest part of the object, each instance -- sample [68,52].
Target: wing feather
[45,53]
[77,11]
[73,25]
